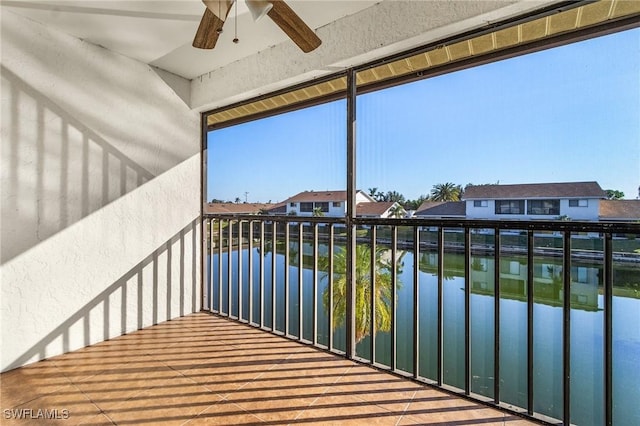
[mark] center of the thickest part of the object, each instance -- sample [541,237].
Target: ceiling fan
[217,11]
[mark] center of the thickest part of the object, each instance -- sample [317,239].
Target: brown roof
[374,208]
[236,208]
[535,190]
[442,208]
[327,196]
[280,208]
[309,196]
[620,209]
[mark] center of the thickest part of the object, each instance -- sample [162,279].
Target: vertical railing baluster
[330,286]
[229,267]
[300,274]
[274,251]
[530,296]
[211,277]
[286,278]
[372,297]
[394,281]
[350,293]
[496,317]
[314,309]
[608,329]
[240,283]
[467,310]
[261,295]
[250,278]
[416,302]
[440,302]
[566,329]
[220,239]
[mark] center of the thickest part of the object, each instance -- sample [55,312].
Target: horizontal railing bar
[277,218]
[512,224]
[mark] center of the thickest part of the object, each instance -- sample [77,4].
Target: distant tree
[217,201]
[613,194]
[238,200]
[414,204]
[446,192]
[317,211]
[375,194]
[394,196]
[292,213]
[397,211]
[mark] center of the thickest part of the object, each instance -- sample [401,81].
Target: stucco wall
[99,195]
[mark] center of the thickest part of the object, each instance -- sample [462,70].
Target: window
[336,204]
[509,206]
[323,206]
[543,207]
[480,203]
[579,203]
[306,207]
[292,204]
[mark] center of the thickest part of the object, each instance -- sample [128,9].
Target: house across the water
[535,201]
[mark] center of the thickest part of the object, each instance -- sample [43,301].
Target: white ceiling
[160,32]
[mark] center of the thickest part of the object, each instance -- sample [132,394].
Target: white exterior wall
[481,212]
[333,211]
[361,197]
[99,195]
[590,212]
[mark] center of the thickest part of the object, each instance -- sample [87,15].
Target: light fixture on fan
[258,8]
[280,13]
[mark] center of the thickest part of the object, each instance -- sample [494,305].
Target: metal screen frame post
[351,213]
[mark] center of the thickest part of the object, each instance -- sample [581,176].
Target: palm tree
[446,192]
[383,290]
[397,211]
[317,211]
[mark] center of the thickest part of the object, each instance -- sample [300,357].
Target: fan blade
[293,26]
[208,31]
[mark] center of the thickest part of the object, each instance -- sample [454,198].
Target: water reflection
[586,320]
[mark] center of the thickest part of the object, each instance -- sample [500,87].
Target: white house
[330,203]
[575,200]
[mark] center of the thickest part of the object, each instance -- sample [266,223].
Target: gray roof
[535,190]
[442,208]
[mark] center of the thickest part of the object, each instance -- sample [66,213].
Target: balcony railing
[537,317]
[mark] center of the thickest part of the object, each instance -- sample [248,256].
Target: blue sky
[565,114]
